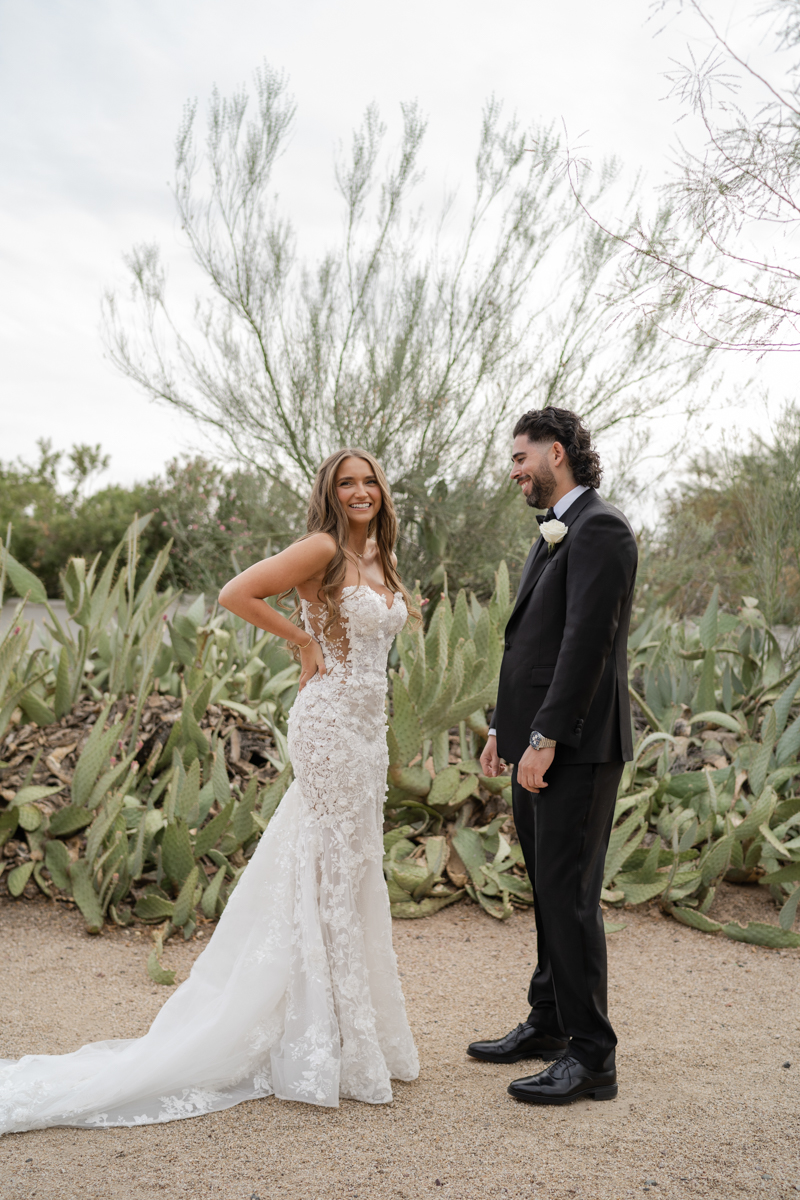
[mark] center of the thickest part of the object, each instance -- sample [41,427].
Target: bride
[297,993]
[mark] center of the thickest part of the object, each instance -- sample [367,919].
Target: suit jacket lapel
[538,557]
[533,568]
[534,553]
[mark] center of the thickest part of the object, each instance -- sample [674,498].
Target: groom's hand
[491,763]
[531,768]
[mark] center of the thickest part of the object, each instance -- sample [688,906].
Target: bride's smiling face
[359,491]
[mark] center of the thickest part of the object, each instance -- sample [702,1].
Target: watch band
[539,742]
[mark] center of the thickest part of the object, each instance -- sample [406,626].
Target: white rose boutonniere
[553,532]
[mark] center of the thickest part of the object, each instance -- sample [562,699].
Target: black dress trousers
[564,832]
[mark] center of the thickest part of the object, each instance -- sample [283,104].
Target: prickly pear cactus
[446,679]
[710,795]
[161,835]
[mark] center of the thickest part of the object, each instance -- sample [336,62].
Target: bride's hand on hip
[312,662]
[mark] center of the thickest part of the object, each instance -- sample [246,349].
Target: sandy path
[706,1107]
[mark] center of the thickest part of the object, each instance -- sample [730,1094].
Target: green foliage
[157,973]
[212,518]
[163,834]
[15,678]
[710,787]
[170,835]
[52,524]
[490,861]
[733,525]
[447,676]
[456,532]
[416,883]
[220,520]
[19,877]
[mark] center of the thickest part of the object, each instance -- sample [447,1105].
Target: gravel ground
[706,1106]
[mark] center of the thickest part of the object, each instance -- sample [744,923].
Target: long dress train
[297,993]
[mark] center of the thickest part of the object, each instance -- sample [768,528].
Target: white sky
[92,96]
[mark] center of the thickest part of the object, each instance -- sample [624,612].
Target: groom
[563,718]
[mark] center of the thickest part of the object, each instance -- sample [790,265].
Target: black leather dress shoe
[522,1042]
[565,1081]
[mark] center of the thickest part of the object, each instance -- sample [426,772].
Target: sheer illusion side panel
[335,641]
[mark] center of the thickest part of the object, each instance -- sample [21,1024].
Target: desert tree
[420,338]
[723,240]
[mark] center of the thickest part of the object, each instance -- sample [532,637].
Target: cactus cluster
[154,828]
[445,678]
[710,794]
[160,817]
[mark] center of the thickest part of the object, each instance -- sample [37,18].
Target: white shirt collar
[561,506]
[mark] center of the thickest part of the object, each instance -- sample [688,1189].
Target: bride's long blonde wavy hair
[326,514]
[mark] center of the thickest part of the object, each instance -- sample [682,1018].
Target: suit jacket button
[507,645]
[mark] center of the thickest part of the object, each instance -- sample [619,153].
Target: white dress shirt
[559,508]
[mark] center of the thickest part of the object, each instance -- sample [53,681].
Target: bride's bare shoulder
[320,545]
[317,551]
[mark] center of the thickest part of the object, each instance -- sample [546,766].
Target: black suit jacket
[565,668]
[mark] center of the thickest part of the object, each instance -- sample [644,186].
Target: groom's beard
[543,485]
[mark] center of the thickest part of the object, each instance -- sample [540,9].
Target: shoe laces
[562,1066]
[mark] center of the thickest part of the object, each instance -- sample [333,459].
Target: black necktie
[548,516]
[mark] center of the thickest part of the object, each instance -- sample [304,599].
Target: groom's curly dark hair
[551,424]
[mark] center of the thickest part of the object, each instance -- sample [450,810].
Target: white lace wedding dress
[297,993]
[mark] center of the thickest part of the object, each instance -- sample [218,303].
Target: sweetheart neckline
[357,587]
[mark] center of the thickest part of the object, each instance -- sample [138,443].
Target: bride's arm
[245,594]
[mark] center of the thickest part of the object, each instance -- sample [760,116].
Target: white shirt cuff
[492,733]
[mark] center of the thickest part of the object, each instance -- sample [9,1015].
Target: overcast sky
[92,96]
